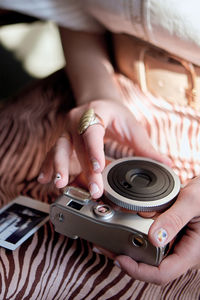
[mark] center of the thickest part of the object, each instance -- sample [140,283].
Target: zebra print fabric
[49,266]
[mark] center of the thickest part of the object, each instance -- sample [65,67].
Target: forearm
[88,66]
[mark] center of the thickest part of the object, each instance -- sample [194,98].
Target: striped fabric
[49,266]
[173,129]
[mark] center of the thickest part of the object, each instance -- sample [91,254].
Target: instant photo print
[20,219]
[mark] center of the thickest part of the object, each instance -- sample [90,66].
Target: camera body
[117,229]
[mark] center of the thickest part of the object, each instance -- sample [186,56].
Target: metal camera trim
[135,204]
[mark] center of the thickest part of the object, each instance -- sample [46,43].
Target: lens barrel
[140,184]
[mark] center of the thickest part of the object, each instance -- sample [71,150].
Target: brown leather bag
[158,72]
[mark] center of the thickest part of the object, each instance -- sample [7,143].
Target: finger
[74,168]
[93,137]
[169,269]
[89,148]
[94,144]
[147,214]
[103,251]
[46,171]
[139,271]
[62,154]
[95,184]
[94,180]
[136,270]
[169,223]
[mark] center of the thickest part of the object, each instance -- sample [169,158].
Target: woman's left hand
[184,212]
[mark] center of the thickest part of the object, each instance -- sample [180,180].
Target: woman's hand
[185,212]
[119,123]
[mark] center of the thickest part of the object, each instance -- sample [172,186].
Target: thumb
[168,224]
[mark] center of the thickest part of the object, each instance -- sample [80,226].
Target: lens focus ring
[140,184]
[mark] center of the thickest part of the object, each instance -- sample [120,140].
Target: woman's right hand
[119,124]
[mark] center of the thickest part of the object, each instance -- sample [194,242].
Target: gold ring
[89,118]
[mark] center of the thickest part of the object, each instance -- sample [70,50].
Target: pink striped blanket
[49,266]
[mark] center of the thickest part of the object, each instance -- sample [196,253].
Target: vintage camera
[131,184]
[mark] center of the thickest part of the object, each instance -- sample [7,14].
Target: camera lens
[140,179]
[140,184]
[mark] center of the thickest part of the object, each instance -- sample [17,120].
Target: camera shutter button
[103,211]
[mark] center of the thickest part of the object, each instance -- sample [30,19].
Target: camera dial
[103,211]
[140,184]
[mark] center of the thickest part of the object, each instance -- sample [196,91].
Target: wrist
[100,90]
[85,100]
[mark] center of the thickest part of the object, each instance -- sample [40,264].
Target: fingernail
[57,178]
[95,165]
[94,189]
[161,236]
[96,250]
[41,176]
[117,264]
